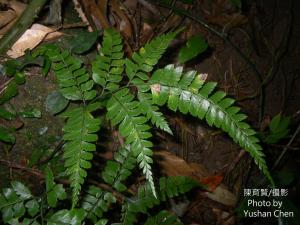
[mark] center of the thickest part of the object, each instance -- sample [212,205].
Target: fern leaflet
[148,56]
[137,69]
[151,111]
[96,202]
[189,94]
[115,172]
[108,66]
[122,109]
[168,188]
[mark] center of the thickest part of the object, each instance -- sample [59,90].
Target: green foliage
[10,91]
[163,218]
[81,126]
[194,46]
[151,112]
[188,93]
[66,217]
[108,66]
[144,61]
[83,41]
[237,3]
[15,201]
[7,115]
[169,187]
[55,102]
[30,113]
[278,129]
[6,135]
[122,109]
[119,170]
[96,202]
[54,191]
[129,97]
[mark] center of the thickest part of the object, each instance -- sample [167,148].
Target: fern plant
[129,93]
[80,128]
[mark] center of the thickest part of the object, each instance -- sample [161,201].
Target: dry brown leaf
[17,8]
[95,12]
[222,195]
[123,21]
[6,17]
[31,38]
[173,165]
[81,14]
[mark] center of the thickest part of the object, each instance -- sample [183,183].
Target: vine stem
[24,21]
[287,147]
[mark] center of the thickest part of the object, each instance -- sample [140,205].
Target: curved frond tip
[189,93]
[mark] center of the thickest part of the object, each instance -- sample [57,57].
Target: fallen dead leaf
[6,17]
[31,38]
[173,165]
[16,8]
[222,195]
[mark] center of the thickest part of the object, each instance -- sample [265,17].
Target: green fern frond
[79,130]
[148,56]
[74,80]
[163,218]
[137,68]
[188,93]
[115,172]
[151,111]
[122,109]
[108,66]
[96,202]
[81,126]
[169,187]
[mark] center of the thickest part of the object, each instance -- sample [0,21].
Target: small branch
[12,165]
[56,150]
[287,147]
[148,6]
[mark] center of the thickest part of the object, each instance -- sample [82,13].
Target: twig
[287,147]
[23,168]
[56,150]
[149,6]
